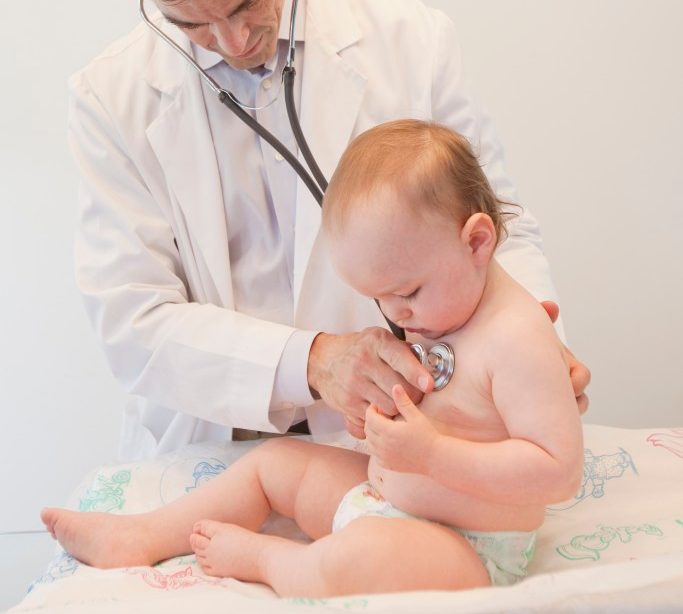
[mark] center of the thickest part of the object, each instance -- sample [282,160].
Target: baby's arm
[542,460]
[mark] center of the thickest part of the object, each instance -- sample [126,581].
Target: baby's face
[421,270]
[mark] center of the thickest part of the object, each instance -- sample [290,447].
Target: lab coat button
[279,157]
[267,84]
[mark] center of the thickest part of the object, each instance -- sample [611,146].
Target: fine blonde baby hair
[428,166]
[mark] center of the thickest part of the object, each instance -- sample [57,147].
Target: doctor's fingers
[368,392]
[355,426]
[580,376]
[399,357]
[582,402]
[382,379]
[579,373]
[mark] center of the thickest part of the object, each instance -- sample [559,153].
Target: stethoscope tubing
[317,183]
[228,100]
[289,75]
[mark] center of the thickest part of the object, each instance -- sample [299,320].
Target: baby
[453,490]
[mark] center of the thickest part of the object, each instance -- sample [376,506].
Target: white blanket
[615,547]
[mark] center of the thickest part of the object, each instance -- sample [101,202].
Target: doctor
[197,250]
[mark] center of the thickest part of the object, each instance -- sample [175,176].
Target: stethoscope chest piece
[439,361]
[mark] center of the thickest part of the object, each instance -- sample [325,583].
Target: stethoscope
[438,360]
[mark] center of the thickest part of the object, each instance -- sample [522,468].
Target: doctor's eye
[191,26]
[245,6]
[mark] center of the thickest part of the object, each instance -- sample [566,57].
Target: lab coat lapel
[331,94]
[181,139]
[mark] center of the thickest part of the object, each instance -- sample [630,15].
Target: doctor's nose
[232,39]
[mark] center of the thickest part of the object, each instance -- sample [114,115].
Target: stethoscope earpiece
[439,361]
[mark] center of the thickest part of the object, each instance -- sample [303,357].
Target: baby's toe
[208,528]
[199,543]
[205,566]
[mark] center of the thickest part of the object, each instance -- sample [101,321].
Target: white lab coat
[139,132]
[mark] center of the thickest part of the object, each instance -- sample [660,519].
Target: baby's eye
[412,295]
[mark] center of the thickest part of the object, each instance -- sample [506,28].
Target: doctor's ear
[479,234]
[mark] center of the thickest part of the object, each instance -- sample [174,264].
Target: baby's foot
[227,550]
[100,540]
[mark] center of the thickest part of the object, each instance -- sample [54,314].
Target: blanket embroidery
[590,546]
[204,472]
[671,441]
[173,581]
[596,471]
[61,567]
[107,494]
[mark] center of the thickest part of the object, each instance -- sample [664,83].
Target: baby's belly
[421,496]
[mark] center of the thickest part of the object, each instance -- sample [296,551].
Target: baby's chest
[465,406]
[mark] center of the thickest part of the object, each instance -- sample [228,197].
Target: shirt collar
[208,59]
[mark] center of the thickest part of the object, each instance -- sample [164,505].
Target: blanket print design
[173,581]
[354,603]
[596,471]
[185,475]
[204,472]
[107,494]
[671,441]
[61,567]
[590,546]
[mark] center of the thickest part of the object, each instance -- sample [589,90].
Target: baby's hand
[400,445]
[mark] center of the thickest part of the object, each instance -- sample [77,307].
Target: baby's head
[412,221]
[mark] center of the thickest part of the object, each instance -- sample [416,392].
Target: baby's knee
[278,444]
[273,448]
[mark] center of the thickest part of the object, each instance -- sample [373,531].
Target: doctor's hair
[431,167]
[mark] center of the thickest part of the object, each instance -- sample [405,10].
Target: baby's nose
[395,310]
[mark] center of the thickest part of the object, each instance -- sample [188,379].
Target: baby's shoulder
[515,322]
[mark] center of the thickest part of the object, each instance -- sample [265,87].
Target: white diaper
[505,554]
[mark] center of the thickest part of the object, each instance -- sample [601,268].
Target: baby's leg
[370,555]
[378,555]
[268,478]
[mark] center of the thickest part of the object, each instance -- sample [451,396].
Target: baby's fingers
[374,416]
[375,422]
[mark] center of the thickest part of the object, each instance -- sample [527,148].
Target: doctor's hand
[578,372]
[352,371]
[404,443]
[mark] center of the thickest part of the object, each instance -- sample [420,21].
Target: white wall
[60,407]
[588,100]
[60,400]
[587,97]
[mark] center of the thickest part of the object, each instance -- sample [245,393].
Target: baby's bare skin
[304,481]
[485,454]
[465,409]
[307,482]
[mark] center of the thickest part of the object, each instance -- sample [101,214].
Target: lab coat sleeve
[521,253]
[198,359]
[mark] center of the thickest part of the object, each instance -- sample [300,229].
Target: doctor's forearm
[201,360]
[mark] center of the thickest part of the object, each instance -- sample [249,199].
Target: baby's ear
[479,234]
